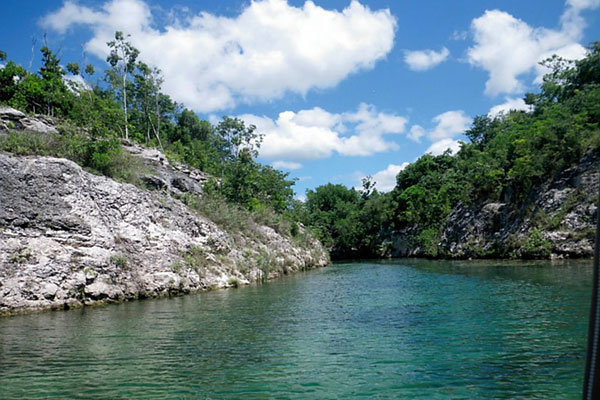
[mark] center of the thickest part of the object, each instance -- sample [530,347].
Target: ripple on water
[403,329]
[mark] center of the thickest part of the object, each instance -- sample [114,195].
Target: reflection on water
[398,329]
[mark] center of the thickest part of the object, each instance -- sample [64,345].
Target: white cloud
[301,197]
[459,35]
[416,133]
[385,180]
[422,60]
[583,4]
[286,165]
[212,63]
[449,125]
[510,104]
[316,133]
[76,82]
[507,47]
[441,146]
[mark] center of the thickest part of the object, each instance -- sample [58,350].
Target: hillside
[524,186]
[70,238]
[558,220]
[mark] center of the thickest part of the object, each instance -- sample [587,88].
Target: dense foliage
[127,104]
[508,155]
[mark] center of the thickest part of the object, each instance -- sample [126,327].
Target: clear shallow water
[402,329]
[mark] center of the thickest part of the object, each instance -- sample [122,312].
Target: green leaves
[238,138]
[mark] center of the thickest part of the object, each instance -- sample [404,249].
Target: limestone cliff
[556,220]
[70,238]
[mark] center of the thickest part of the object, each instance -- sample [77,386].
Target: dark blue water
[402,329]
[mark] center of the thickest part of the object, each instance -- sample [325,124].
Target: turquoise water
[401,329]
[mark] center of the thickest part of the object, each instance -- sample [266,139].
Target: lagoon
[383,329]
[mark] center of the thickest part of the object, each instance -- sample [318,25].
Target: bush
[102,156]
[119,261]
[536,246]
[429,240]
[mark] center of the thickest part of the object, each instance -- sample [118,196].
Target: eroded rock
[69,238]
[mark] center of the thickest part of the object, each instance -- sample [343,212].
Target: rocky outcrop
[558,220]
[15,119]
[162,175]
[70,238]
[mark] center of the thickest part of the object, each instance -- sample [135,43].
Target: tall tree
[238,137]
[56,93]
[122,59]
[147,92]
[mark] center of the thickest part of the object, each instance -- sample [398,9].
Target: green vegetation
[20,256]
[506,158]
[119,260]
[127,104]
[535,246]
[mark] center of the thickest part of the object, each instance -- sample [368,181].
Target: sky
[340,89]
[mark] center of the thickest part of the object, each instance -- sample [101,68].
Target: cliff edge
[556,220]
[70,238]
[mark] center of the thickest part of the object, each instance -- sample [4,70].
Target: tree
[73,68]
[10,76]
[122,59]
[89,69]
[482,129]
[56,94]
[237,137]
[2,55]
[368,187]
[147,84]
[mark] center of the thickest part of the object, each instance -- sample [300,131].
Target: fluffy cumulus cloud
[508,48]
[212,62]
[416,133]
[510,104]
[441,146]
[317,133]
[385,180]
[449,125]
[422,60]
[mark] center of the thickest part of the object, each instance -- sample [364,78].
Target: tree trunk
[157,117]
[125,107]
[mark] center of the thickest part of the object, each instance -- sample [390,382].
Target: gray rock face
[171,178]
[15,119]
[558,221]
[69,238]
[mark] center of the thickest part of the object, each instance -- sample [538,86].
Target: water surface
[400,329]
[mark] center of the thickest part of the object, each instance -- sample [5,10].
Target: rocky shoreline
[69,238]
[557,220]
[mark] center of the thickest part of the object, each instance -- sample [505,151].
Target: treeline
[508,155]
[125,102]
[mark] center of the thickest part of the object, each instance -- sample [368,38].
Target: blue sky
[341,89]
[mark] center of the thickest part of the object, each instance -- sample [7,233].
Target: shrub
[429,239]
[536,246]
[119,261]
